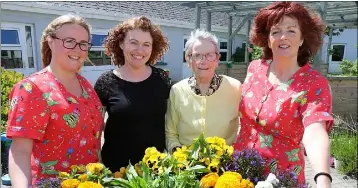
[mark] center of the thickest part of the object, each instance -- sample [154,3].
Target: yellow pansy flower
[63,175]
[82,177]
[94,168]
[214,165]
[229,149]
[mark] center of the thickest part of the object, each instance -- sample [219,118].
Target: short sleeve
[101,88]
[318,106]
[28,115]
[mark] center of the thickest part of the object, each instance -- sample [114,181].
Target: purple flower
[249,163]
[48,183]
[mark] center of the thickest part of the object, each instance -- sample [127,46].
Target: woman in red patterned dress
[285,101]
[55,116]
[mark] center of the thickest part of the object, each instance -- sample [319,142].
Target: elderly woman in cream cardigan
[205,102]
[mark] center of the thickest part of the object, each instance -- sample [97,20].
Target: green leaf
[49,163]
[52,172]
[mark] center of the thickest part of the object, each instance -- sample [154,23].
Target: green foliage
[239,55]
[349,68]
[335,32]
[8,80]
[186,179]
[256,53]
[344,149]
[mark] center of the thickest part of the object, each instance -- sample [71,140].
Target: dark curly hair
[310,23]
[117,34]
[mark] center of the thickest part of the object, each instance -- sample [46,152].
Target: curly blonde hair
[117,34]
[51,30]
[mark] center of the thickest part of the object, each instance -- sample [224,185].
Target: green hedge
[344,149]
[349,68]
[8,80]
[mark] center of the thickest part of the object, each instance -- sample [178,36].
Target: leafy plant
[344,149]
[8,79]
[349,67]
[255,52]
[335,31]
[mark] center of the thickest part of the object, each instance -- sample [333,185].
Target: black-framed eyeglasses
[71,43]
[209,56]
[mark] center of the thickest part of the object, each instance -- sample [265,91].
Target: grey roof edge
[51,8]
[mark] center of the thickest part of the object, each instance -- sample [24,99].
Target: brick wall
[344,94]
[344,89]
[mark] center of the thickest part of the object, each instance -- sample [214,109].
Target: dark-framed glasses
[209,56]
[71,43]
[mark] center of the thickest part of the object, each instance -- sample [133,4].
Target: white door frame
[334,66]
[20,27]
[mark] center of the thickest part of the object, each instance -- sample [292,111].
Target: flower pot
[5,142]
[337,163]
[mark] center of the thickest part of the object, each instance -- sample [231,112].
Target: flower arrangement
[247,162]
[197,165]
[206,163]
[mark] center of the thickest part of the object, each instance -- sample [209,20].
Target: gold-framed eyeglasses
[71,43]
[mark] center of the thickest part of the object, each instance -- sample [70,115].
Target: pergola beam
[318,57]
[247,41]
[335,14]
[198,14]
[208,21]
[329,44]
[243,21]
[229,41]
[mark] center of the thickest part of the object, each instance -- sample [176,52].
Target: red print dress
[66,129]
[273,117]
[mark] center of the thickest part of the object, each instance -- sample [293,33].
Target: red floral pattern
[273,117]
[66,129]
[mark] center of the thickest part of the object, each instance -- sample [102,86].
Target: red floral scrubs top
[273,117]
[66,129]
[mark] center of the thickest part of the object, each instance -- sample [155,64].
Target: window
[338,52]
[223,49]
[96,54]
[185,40]
[17,46]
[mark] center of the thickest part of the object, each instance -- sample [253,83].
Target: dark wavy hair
[311,26]
[117,34]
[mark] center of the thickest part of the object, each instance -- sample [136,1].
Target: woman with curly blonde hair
[135,94]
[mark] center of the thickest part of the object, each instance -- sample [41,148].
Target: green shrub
[344,149]
[239,55]
[349,68]
[256,53]
[8,80]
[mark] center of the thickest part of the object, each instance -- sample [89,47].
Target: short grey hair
[197,35]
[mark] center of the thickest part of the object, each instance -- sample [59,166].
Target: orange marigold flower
[209,180]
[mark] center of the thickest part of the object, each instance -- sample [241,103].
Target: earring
[301,43]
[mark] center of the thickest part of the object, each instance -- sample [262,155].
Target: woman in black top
[135,95]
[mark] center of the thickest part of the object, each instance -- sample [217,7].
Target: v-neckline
[63,88]
[267,64]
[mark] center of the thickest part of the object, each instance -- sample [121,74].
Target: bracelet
[322,173]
